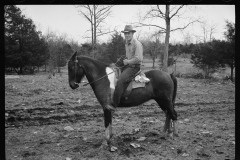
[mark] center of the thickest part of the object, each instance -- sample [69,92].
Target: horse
[162,88]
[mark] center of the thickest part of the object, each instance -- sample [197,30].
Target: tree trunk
[45,67]
[21,70]
[59,62]
[206,71]
[153,62]
[92,32]
[165,56]
[95,29]
[51,68]
[175,68]
[232,72]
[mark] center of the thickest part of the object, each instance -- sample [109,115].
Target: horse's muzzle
[74,85]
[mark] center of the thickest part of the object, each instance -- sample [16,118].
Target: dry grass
[37,110]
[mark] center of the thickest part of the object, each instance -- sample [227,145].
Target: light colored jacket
[134,51]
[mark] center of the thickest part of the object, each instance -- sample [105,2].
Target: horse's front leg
[167,122]
[108,125]
[108,130]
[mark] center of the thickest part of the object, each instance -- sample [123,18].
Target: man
[134,54]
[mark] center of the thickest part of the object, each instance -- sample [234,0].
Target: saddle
[138,81]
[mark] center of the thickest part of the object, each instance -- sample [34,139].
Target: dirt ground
[46,120]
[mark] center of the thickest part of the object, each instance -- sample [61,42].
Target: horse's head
[75,71]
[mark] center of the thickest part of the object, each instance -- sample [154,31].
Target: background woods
[27,49]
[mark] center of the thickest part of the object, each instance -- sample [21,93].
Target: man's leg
[123,82]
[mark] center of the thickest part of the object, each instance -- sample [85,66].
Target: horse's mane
[94,61]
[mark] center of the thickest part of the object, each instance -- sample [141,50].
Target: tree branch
[182,28]
[100,33]
[100,20]
[139,24]
[176,11]
[160,11]
[105,11]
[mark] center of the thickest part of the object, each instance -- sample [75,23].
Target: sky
[66,19]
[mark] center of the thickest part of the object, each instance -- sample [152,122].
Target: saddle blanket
[141,77]
[140,80]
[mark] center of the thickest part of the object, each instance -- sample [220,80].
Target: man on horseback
[134,54]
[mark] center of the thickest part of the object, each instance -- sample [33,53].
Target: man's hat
[128,28]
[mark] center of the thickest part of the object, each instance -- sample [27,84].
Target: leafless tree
[74,44]
[155,50]
[61,41]
[95,15]
[212,30]
[207,31]
[207,35]
[157,13]
[50,37]
[187,38]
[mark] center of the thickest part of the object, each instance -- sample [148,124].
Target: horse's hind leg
[167,106]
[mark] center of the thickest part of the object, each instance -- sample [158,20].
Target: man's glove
[125,62]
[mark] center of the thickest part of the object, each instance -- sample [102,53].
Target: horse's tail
[174,79]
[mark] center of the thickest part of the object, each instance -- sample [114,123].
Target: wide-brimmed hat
[128,28]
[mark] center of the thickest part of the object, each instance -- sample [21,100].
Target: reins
[97,79]
[76,61]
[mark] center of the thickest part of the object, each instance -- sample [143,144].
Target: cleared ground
[46,120]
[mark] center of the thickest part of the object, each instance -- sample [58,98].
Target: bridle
[75,68]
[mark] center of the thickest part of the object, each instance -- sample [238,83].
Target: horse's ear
[74,56]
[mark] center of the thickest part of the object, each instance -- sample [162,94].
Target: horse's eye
[71,68]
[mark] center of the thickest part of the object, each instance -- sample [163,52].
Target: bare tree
[137,35]
[207,31]
[74,44]
[95,15]
[152,47]
[187,38]
[50,36]
[207,35]
[212,31]
[155,49]
[155,12]
[61,41]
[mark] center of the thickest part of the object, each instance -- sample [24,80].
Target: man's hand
[113,65]
[125,62]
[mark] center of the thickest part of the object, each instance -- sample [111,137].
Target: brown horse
[162,88]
